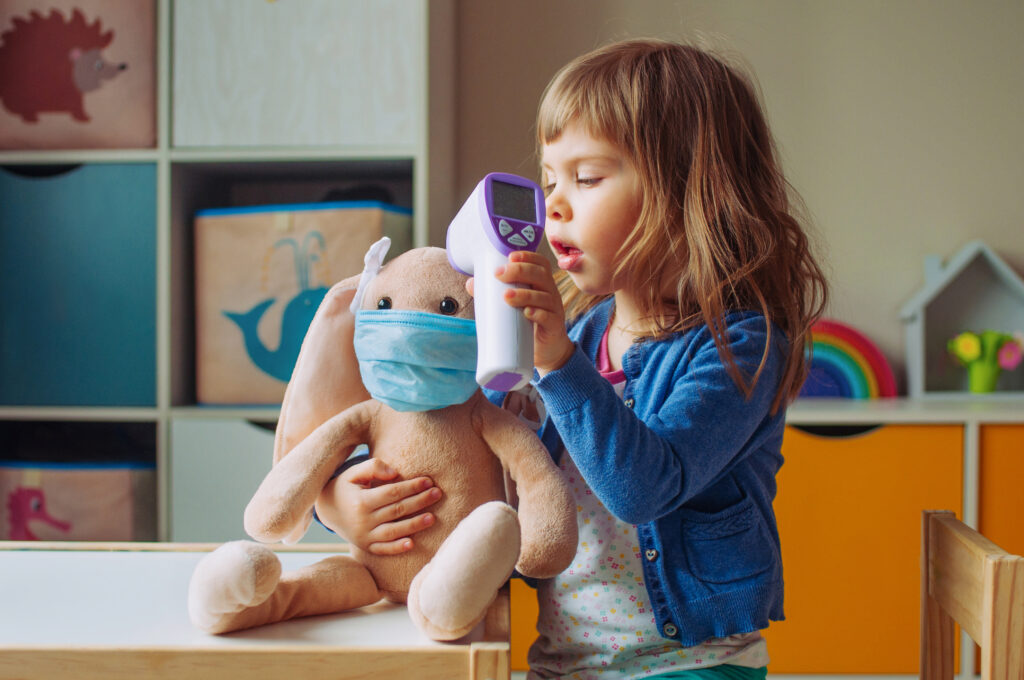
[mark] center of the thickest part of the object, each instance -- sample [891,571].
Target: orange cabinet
[849,512]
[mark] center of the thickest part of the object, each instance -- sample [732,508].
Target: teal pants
[721,672]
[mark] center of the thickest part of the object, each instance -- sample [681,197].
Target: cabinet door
[849,512]
[314,73]
[216,466]
[78,275]
[523,622]
[1001,503]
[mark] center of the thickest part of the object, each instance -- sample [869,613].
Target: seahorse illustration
[298,313]
[26,504]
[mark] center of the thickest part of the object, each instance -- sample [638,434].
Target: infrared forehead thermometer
[504,213]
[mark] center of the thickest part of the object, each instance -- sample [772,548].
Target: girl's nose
[557,207]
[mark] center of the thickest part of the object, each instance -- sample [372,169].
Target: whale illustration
[298,314]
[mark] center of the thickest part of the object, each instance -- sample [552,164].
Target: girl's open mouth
[568,256]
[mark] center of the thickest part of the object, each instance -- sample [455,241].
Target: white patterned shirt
[595,619]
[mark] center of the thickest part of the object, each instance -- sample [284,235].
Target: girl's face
[593,202]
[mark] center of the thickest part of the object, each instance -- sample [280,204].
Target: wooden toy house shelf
[974,290]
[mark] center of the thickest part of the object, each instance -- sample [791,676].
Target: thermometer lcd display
[513,201]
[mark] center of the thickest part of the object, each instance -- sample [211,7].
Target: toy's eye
[384,303]
[449,306]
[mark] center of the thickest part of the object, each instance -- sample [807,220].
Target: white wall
[900,122]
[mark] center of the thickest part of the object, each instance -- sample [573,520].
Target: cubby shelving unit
[296,165]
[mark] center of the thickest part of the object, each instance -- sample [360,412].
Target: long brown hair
[718,229]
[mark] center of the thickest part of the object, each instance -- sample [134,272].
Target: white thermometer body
[503,214]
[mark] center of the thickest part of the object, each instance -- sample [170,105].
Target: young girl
[690,291]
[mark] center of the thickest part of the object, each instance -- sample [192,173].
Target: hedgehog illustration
[47,64]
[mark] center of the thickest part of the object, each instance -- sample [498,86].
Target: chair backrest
[968,579]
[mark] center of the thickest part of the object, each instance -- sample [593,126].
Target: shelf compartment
[78,481]
[78,271]
[216,465]
[282,74]
[210,184]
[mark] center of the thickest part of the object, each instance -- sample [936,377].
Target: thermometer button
[529,233]
[504,228]
[518,240]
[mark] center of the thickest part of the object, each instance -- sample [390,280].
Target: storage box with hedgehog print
[261,273]
[77,74]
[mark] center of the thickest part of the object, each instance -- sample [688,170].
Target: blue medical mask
[416,361]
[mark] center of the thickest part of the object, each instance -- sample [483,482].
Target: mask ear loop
[372,262]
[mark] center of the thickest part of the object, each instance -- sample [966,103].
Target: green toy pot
[982,376]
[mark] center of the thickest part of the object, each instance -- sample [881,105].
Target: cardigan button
[629,402]
[670,630]
[651,555]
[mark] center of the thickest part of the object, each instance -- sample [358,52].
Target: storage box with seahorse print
[77,480]
[261,273]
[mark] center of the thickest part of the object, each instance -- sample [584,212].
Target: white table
[119,610]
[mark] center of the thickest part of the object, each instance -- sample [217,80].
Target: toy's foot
[233,578]
[452,593]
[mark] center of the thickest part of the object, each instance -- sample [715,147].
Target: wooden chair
[968,579]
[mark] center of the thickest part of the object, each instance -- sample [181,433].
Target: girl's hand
[541,304]
[375,513]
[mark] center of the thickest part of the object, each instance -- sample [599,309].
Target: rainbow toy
[844,363]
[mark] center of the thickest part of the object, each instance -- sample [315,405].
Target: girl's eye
[548,188]
[384,303]
[449,306]
[588,181]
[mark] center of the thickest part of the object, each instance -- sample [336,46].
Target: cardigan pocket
[726,546]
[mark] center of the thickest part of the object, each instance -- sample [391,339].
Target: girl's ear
[326,378]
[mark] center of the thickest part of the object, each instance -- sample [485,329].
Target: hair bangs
[582,95]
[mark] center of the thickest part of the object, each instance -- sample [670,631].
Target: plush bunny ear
[326,378]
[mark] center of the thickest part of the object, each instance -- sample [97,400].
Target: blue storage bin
[78,285]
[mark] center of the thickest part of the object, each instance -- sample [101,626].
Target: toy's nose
[122,67]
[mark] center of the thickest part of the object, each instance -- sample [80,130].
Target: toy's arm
[283,503]
[547,514]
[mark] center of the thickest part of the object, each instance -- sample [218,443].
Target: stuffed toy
[389,362]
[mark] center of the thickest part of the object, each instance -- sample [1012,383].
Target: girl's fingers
[395,531]
[398,506]
[393,538]
[528,298]
[391,547]
[402,497]
[529,269]
[368,472]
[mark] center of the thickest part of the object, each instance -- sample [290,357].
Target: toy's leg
[240,585]
[452,593]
